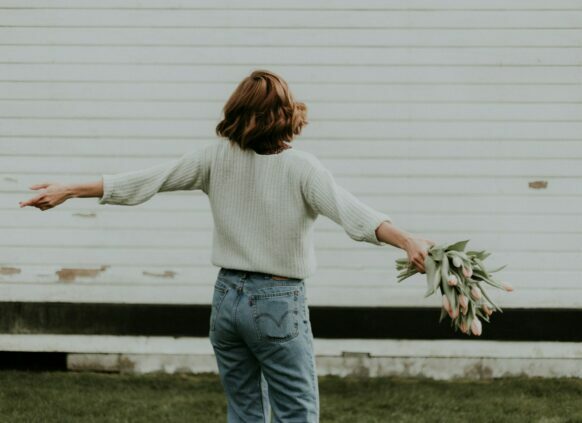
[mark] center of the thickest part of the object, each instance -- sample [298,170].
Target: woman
[265,196]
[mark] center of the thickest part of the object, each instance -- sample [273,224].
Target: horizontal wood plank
[296,74]
[297,4]
[320,296]
[330,18]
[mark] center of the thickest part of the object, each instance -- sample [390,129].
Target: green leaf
[470,316]
[461,254]
[436,282]
[404,276]
[478,254]
[495,306]
[431,270]
[482,315]
[479,264]
[461,280]
[445,269]
[437,247]
[498,269]
[496,284]
[458,246]
[437,254]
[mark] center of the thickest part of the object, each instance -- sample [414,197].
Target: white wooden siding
[449,116]
[436,359]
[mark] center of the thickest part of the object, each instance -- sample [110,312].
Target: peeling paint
[357,362]
[9,270]
[478,371]
[90,214]
[538,184]
[353,354]
[69,275]
[166,274]
[126,364]
[93,362]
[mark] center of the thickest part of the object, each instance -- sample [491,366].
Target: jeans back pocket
[275,313]
[220,292]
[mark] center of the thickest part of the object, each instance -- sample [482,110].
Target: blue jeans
[260,332]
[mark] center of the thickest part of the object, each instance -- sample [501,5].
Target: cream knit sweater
[263,206]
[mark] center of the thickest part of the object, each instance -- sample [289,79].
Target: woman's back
[263,206]
[262,220]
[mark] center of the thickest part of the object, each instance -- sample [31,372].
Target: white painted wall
[438,113]
[436,359]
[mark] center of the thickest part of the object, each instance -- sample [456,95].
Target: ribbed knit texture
[264,206]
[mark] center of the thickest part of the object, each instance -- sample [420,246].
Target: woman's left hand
[417,250]
[53,195]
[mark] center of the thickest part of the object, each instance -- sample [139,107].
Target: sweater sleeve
[188,172]
[328,198]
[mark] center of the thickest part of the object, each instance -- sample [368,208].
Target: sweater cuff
[108,184]
[374,223]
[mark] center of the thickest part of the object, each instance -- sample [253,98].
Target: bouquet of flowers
[460,277]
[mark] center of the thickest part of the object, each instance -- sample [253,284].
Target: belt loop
[243,278]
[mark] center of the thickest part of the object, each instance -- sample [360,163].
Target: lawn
[103,397]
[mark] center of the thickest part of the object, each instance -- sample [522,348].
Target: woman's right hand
[416,248]
[53,195]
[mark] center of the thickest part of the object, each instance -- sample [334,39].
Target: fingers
[419,267]
[418,261]
[32,202]
[424,254]
[418,252]
[40,186]
[429,243]
[44,205]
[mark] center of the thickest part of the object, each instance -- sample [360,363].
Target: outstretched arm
[188,172]
[360,221]
[55,194]
[327,197]
[415,247]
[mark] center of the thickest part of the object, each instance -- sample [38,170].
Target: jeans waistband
[251,274]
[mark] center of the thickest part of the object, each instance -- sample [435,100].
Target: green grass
[103,397]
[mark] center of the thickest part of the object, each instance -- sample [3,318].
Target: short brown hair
[261,113]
